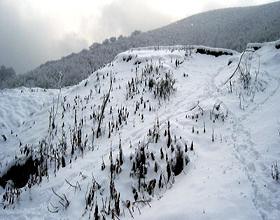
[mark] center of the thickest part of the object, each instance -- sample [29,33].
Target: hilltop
[169,132]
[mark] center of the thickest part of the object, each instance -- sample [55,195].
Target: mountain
[227,28]
[162,132]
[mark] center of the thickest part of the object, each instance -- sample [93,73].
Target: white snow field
[233,125]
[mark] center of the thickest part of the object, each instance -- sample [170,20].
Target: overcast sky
[35,31]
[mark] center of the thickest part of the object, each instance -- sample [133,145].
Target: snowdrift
[179,132]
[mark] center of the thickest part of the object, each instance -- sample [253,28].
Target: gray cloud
[25,43]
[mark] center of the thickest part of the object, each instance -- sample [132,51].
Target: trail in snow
[248,155]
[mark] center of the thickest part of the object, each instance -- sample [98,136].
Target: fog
[35,31]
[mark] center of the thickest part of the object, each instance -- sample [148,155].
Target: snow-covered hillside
[179,132]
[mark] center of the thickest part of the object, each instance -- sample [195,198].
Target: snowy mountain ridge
[179,132]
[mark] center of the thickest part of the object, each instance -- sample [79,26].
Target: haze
[35,31]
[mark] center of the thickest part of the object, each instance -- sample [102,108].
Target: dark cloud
[26,42]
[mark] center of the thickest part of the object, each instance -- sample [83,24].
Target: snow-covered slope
[165,104]
[228,28]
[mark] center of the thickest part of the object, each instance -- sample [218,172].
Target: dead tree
[105,100]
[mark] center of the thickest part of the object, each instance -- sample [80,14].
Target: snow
[259,45]
[228,178]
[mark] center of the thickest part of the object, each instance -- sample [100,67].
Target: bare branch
[77,186]
[238,66]
[64,202]
[106,98]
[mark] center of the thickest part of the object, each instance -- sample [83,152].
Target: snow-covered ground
[229,173]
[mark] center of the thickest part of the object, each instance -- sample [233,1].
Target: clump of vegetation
[164,87]
[216,53]
[275,171]
[153,79]
[149,172]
